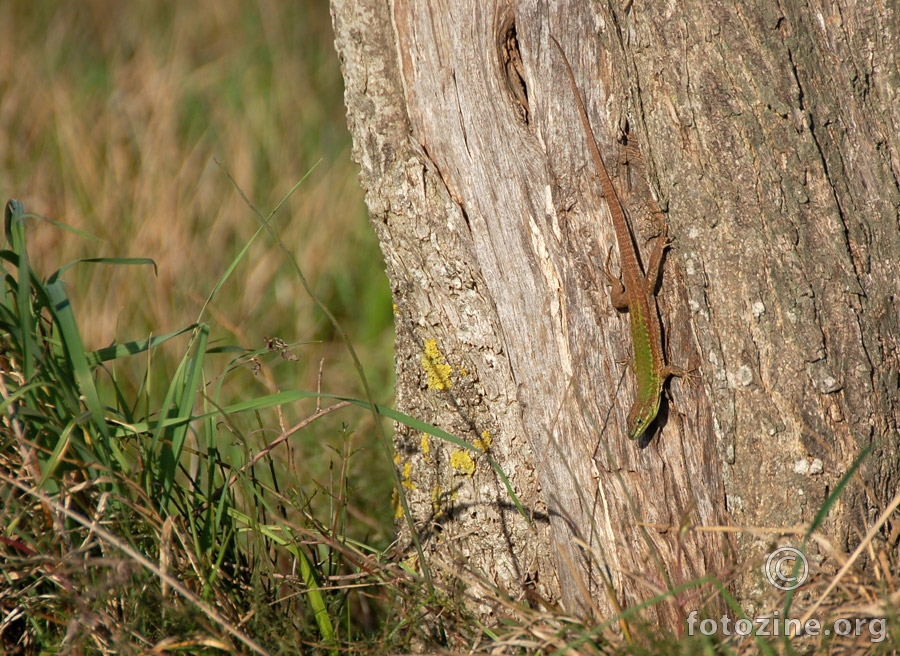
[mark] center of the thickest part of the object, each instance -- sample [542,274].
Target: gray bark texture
[769,134]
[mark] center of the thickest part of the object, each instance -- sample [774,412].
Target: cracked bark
[769,136]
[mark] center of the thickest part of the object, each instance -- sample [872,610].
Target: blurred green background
[112,117]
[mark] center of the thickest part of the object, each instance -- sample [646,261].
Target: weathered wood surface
[769,137]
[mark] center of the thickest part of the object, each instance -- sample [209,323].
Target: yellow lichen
[437,370]
[436,495]
[407,477]
[397,458]
[426,448]
[398,507]
[462,462]
[485,442]
[463,371]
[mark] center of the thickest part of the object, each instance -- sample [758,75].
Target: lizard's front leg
[617,293]
[656,256]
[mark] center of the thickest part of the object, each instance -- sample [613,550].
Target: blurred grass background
[111,115]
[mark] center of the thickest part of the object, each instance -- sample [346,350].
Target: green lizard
[635,292]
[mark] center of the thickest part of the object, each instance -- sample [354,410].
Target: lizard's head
[641,416]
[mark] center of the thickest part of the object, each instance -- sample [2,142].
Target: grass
[188,458]
[163,480]
[112,121]
[131,525]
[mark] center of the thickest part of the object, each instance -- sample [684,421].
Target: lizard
[635,291]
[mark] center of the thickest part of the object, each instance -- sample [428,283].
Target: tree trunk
[769,136]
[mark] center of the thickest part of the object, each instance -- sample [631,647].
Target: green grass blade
[193,375]
[19,394]
[836,492]
[117,351]
[64,317]
[265,225]
[62,446]
[307,571]
[15,234]
[156,454]
[122,261]
[68,228]
[59,224]
[228,271]
[320,612]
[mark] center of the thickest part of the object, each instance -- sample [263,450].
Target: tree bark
[768,135]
